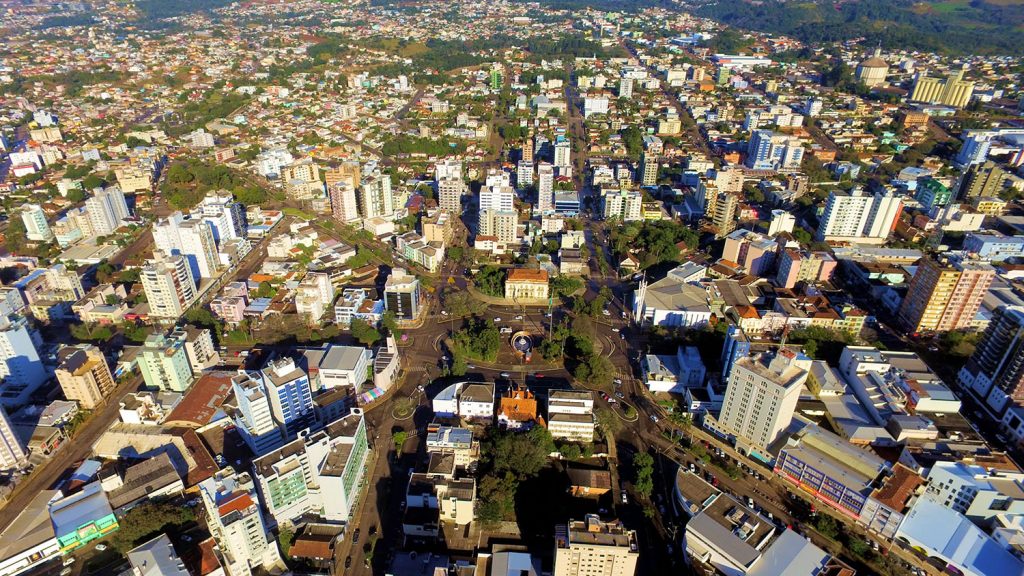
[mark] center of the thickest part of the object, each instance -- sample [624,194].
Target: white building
[624,205]
[344,366]
[314,295]
[12,454]
[571,415]
[36,227]
[21,370]
[676,373]
[768,150]
[978,493]
[192,239]
[374,197]
[761,397]
[169,286]
[107,209]
[233,518]
[225,216]
[854,215]
[545,188]
[782,221]
[320,474]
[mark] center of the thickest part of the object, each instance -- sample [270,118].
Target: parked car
[519,317]
[497,319]
[504,375]
[606,313]
[355,536]
[654,418]
[625,499]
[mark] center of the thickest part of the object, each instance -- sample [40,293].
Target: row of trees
[186,183]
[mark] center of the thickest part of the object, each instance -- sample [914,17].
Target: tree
[285,538]
[490,280]
[147,520]
[399,439]
[363,332]
[643,467]
[390,322]
[523,455]
[265,290]
[827,526]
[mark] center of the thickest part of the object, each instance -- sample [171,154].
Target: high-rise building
[344,207]
[545,188]
[225,217]
[853,214]
[319,474]
[945,294]
[932,194]
[402,295]
[563,155]
[502,226]
[782,221]
[273,406]
[375,198]
[768,150]
[36,227]
[951,91]
[164,363]
[524,174]
[348,172]
[995,372]
[290,394]
[314,295]
[234,519]
[199,247]
[107,209]
[797,266]
[21,370]
[625,205]
[986,179]
[761,397]
[626,88]
[975,148]
[593,547]
[254,418]
[449,169]
[650,170]
[724,216]
[169,286]
[84,376]
[12,453]
[527,151]
[449,194]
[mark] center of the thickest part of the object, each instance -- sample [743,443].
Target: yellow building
[84,376]
[989,205]
[945,295]
[952,91]
[524,284]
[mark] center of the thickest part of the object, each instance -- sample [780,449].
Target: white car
[519,317]
[101,547]
[504,374]
[615,330]
[497,319]
[443,313]
[606,313]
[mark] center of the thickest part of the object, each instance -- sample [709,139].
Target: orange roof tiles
[527,275]
[898,488]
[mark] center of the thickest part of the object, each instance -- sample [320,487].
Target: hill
[945,26]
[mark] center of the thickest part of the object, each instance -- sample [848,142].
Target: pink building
[796,266]
[751,251]
[231,309]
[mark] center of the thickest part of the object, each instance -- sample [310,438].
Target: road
[71,452]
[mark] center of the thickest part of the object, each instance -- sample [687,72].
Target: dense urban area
[510,288]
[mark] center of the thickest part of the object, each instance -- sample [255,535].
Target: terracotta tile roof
[527,275]
[898,488]
[239,503]
[202,401]
[310,548]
